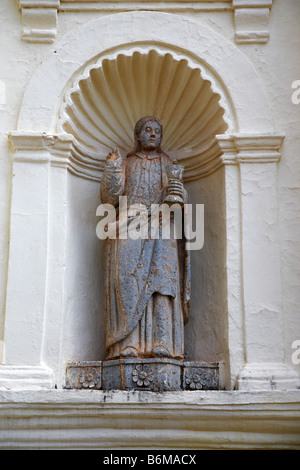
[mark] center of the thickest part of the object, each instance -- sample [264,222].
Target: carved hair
[137,130]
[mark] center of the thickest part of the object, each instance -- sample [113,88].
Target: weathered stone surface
[200,376]
[84,374]
[148,276]
[153,374]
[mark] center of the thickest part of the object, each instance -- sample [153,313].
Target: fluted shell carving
[102,107]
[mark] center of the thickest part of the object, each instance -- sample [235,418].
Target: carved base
[84,375]
[142,374]
[155,374]
[201,376]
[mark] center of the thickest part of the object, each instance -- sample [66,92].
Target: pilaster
[28,274]
[233,263]
[259,259]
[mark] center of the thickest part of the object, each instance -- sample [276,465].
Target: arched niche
[86,94]
[106,99]
[99,111]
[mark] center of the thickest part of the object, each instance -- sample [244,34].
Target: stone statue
[147,280]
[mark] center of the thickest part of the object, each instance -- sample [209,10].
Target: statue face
[150,136]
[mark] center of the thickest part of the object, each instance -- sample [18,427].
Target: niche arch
[107,98]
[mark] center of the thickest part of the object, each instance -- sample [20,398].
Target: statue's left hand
[176,187]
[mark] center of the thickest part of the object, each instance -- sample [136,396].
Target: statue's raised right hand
[114,161]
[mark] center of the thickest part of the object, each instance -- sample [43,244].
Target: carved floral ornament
[142,375]
[198,379]
[89,377]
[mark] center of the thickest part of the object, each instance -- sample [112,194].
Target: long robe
[147,280]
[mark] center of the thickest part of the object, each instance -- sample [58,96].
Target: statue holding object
[147,291]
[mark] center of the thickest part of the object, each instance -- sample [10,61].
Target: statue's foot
[129,352]
[160,351]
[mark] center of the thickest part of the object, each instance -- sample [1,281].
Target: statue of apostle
[147,279]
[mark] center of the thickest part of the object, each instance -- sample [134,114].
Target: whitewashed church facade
[224,79]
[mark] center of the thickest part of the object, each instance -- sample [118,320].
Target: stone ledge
[222,399]
[95,419]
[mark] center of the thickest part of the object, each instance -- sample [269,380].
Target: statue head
[147,134]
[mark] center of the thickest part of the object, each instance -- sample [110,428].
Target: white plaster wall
[17,63]
[206,332]
[277,64]
[75,326]
[287,115]
[84,322]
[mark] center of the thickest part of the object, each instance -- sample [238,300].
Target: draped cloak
[136,269]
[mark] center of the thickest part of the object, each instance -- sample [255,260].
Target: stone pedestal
[84,375]
[201,376]
[142,374]
[153,374]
